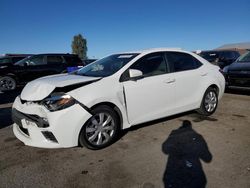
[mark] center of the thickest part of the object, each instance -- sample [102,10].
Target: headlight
[58,102]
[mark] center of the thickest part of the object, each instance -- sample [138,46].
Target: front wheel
[101,129]
[7,83]
[209,102]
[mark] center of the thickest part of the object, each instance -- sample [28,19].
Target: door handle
[169,80]
[204,74]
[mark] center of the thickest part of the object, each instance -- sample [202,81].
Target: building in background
[240,47]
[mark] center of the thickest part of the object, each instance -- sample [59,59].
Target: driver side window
[151,65]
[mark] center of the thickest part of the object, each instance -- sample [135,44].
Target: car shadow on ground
[185,148]
[9,97]
[193,114]
[6,100]
[238,91]
[5,117]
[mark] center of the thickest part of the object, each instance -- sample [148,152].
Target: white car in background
[92,105]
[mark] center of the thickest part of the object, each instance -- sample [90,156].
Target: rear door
[152,96]
[189,75]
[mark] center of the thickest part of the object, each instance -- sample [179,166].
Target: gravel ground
[183,150]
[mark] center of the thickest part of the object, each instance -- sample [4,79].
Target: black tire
[7,83]
[84,136]
[203,108]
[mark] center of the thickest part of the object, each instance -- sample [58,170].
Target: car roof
[146,51]
[11,56]
[64,54]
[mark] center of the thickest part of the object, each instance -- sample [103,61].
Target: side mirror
[136,74]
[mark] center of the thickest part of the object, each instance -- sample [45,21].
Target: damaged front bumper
[36,126]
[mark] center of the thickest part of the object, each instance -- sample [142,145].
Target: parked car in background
[92,105]
[221,58]
[36,66]
[237,74]
[10,59]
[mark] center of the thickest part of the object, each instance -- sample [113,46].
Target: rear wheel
[209,102]
[101,129]
[7,83]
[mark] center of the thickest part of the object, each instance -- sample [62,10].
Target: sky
[111,26]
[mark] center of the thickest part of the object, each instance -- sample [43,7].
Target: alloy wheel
[100,129]
[7,83]
[210,101]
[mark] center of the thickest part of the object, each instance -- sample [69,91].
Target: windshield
[244,58]
[23,61]
[106,66]
[32,61]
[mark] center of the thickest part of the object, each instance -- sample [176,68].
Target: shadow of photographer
[185,147]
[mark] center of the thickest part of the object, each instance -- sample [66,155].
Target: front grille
[18,116]
[49,136]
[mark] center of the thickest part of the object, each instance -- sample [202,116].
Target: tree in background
[79,46]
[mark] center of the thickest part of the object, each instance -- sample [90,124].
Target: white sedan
[90,106]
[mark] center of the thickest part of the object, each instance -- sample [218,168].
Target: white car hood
[42,87]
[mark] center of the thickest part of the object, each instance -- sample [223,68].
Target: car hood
[6,65]
[40,88]
[239,66]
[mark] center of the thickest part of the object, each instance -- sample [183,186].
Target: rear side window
[73,60]
[179,61]
[150,65]
[54,60]
[227,55]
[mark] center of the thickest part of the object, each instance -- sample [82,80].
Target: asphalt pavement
[184,150]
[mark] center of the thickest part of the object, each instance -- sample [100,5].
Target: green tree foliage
[79,46]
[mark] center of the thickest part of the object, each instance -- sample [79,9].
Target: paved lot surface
[182,150]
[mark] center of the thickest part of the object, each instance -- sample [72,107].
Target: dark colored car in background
[237,74]
[36,66]
[12,58]
[221,58]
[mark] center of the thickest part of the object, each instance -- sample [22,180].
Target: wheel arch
[214,86]
[204,89]
[109,104]
[12,75]
[114,107]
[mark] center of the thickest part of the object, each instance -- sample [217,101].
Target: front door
[152,96]
[34,67]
